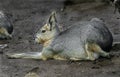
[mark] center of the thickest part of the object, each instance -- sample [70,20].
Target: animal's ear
[52,20]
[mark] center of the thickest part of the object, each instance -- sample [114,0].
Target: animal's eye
[43,31]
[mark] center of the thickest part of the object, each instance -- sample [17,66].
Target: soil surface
[29,15]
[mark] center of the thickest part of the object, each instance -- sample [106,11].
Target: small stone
[32,74]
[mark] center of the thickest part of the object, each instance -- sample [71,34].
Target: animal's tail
[27,55]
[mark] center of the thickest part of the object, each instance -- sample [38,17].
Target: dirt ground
[29,15]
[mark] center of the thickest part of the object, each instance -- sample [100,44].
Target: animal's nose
[38,40]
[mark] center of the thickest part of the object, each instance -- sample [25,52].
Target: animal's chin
[39,41]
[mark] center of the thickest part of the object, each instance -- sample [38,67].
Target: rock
[32,74]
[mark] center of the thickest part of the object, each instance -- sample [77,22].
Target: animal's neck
[49,41]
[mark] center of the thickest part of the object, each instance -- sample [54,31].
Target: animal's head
[48,31]
[6,27]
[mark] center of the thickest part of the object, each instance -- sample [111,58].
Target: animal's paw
[106,55]
[90,58]
[14,55]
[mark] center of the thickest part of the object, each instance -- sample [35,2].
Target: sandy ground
[29,15]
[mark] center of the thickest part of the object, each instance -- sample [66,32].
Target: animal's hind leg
[90,54]
[98,49]
[95,48]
